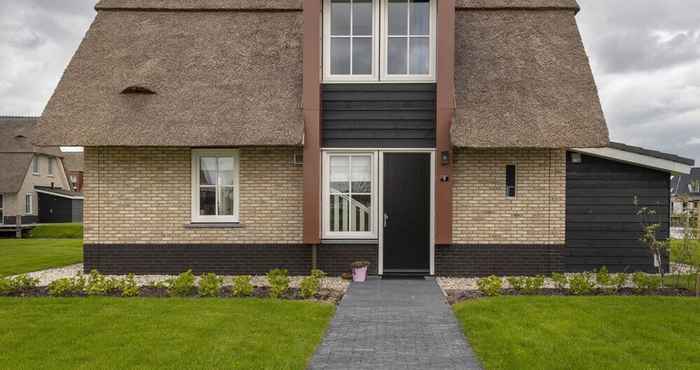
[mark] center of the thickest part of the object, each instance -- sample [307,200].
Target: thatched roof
[522,77]
[220,75]
[73,161]
[17,135]
[13,170]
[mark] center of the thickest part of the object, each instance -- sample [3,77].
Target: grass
[57,231]
[18,256]
[173,333]
[677,256]
[584,332]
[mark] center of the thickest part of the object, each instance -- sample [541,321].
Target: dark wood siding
[53,209]
[378,115]
[602,226]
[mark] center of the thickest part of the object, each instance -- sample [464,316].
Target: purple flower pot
[359,274]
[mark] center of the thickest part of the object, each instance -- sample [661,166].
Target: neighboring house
[24,169]
[73,163]
[685,191]
[428,137]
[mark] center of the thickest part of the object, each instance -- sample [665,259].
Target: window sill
[350,241]
[214,225]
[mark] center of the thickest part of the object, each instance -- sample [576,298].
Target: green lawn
[57,231]
[583,332]
[26,255]
[676,248]
[149,333]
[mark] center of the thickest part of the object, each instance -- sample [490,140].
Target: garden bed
[456,296]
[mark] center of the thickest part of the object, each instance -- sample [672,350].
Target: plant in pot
[359,271]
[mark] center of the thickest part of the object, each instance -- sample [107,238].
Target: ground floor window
[28,203]
[349,195]
[215,190]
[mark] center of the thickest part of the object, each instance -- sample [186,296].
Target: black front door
[406,213]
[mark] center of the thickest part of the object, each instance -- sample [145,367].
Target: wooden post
[18,227]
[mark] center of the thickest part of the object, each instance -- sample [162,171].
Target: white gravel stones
[47,276]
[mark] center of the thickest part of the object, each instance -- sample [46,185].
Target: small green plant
[242,286]
[560,280]
[581,284]
[98,284]
[602,277]
[310,285]
[210,285]
[67,286]
[128,286]
[182,285]
[23,282]
[618,281]
[359,264]
[490,286]
[517,283]
[279,282]
[533,284]
[643,282]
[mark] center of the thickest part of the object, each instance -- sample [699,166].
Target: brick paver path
[394,324]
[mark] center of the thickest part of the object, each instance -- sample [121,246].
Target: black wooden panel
[378,115]
[602,225]
[53,209]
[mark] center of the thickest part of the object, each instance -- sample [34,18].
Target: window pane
[396,63]
[398,17]
[339,219]
[226,171]
[339,177]
[226,201]
[420,17]
[340,56]
[207,171]
[340,17]
[361,212]
[362,56]
[362,17]
[361,174]
[420,55]
[207,201]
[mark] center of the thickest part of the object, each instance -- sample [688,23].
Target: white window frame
[196,155]
[325,206]
[380,39]
[2,208]
[35,165]
[28,204]
[327,75]
[384,50]
[50,168]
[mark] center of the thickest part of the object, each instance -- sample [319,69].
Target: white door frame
[381,204]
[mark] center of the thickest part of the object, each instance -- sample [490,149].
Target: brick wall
[142,196]
[483,214]
[501,260]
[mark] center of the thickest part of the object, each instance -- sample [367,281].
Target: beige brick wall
[483,214]
[142,195]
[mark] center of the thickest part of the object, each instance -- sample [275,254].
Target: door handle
[386,218]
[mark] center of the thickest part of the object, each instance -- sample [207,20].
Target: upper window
[50,166]
[372,40]
[349,189]
[35,165]
[511,181]
[215,185]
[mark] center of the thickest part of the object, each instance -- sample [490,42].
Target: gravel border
[47,276]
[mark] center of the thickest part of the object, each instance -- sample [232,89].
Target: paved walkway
[394,324]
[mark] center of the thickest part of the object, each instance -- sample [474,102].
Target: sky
[645,56]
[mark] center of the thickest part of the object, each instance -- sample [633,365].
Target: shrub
[67,286]
[490,286]
[182,285]
[533,284]
[618,281]
[318,274]
[210,285]
[310,285]
[643,282]
[242,286]
[517,283]
[560,280]
[580,284]
[98,284]
[279,282]
[22,282]
[128,286]
[602,277]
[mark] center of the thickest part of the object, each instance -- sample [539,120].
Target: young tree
[650,228]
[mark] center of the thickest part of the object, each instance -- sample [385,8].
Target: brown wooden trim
[445,111]
[312,121]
